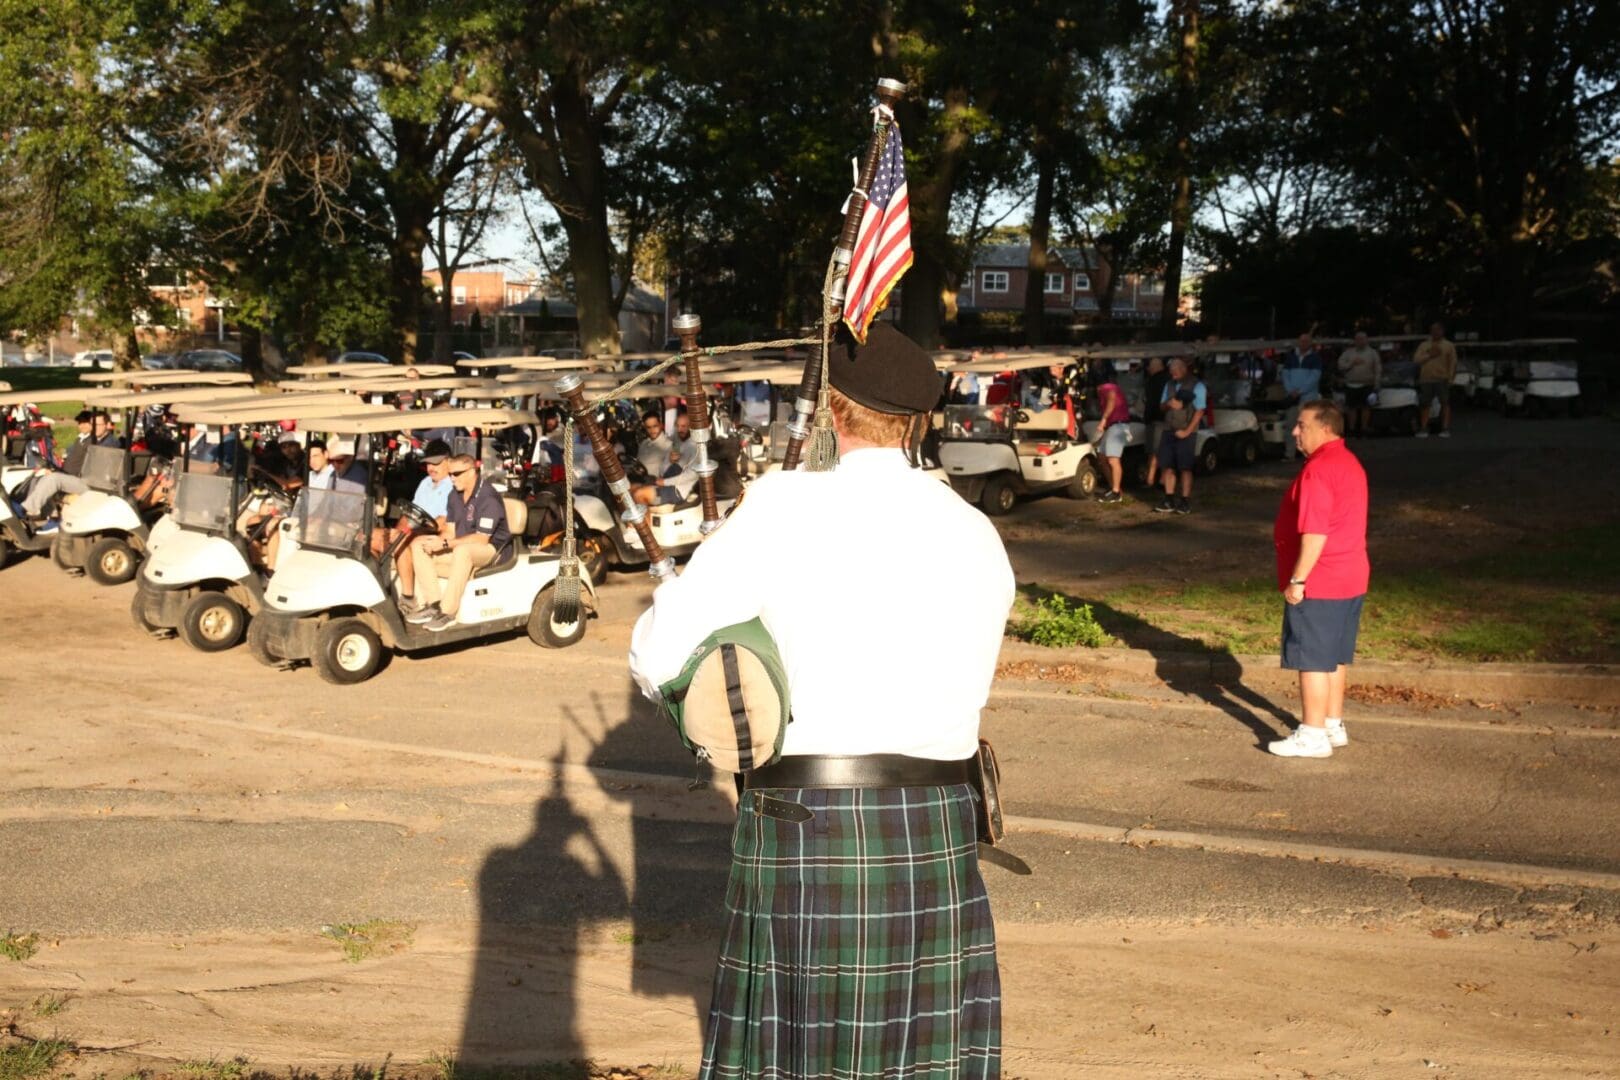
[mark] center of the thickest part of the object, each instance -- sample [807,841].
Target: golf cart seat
[1050,420]
[517,519]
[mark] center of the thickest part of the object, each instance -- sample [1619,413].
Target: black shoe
[1109,497]
[1167,505]
[1183,506]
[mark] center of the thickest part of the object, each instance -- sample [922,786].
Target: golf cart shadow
[1187,666]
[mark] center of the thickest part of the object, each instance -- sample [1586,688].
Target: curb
[1575,684]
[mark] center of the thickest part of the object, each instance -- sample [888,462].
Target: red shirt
[1328,497]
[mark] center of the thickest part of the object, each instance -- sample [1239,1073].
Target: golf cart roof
[302,407]
[442,382]
[1144,350]
[502,390]
[369,371]
[1242,345]
[1544,341]
[169,377]
[543,363]
[373,423]
[90,395]
[611,392]
[4,386]
[776,374]
[123,398]
[1014,361]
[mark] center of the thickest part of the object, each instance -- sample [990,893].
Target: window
[1150,287]
[1082,282]
[994,281]
[1054,283]
[460,295]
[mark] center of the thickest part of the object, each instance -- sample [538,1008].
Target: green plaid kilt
[858,943]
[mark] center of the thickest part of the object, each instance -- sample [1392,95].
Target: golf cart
[334,604]
[204,581]
[995,453]
[1395,405]
[25,447]
[1542,379]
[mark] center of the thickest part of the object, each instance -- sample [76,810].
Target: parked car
[361,358]
[92,358]
[157,361]
[208,360]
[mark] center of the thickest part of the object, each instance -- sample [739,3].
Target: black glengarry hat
[889,374]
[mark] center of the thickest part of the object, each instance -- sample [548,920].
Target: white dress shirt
[858,574]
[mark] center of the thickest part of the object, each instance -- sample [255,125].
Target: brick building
[1075,279]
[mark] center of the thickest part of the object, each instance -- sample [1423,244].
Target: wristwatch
[1296,581]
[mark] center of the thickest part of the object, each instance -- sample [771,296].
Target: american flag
[883,244]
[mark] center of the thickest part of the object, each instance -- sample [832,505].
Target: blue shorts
[1178,454]
[1319,635]
[1115,439]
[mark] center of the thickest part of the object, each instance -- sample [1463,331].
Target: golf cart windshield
[204,501]
[331,520]
[987,422]
[103,469]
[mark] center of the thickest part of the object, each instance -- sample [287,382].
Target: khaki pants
[456,566]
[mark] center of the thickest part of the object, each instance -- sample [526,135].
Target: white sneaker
[1445,434]
[1304,742]
[1337,736]
[1424,434]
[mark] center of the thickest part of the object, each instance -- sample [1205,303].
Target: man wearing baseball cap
[433,496]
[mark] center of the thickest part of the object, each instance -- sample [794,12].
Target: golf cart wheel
[1249,452]
[1084,483]
[111,561]
[258,643]
[593,556]
[59,556]
[1209,458]
[212,622]
[544,629]
[1413,423]
[1136,469]
[5,552]
[998,497]
[347,651]
[137,613]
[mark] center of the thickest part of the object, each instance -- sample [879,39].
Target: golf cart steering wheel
[420,521]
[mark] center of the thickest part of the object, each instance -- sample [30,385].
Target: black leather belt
[864,771]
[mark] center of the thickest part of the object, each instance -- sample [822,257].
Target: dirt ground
[525,879]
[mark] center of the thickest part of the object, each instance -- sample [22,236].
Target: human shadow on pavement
[681,854]
[1190,666]
[536,904]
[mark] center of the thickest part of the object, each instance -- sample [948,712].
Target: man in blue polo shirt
[1302,382]
[433,496]
[474,535]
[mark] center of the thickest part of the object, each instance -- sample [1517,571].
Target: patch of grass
[15,946]
[1055,623]
[29,1058]
[361,940]
[235,1068]
[1550,602]
[49,1004]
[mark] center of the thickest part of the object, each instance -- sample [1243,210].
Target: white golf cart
[1542,379]
[334,604]
[1130,369]
[21,456]
[203,581]
[995,453]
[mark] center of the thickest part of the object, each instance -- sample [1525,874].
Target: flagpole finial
[891,90]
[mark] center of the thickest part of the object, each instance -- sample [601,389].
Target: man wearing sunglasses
[474,535]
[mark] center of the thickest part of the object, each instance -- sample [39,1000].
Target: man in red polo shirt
[1322,570]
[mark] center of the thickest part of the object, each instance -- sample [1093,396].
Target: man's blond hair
[883,429]
[456,462]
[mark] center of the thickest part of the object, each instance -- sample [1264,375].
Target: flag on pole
[883,243]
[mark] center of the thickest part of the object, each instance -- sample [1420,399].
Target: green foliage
[362,940]
[1056,624]
[19,947]
[36,1057]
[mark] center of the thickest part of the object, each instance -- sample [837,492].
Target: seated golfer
[474,535]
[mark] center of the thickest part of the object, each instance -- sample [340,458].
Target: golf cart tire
[347,651]
[1209,459]
[1249,452]
[258,644]
[111,561]
[1083,485]
[137,615]
[593,556]
[547,634]
[5,552]
[1136,469]
[999,496]
[212,622]
[59,556]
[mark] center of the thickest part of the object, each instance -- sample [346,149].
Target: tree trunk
[1040,229]
[405,281]
[1184,30]
[253,352]
[930,197]
[126,351]
[590,255]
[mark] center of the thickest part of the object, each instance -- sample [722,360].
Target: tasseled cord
[822,453]
[565,602]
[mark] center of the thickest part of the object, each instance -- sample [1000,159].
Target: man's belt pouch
[987,780]
[730,702]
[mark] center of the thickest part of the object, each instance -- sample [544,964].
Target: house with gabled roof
[1075,279]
